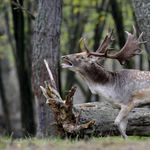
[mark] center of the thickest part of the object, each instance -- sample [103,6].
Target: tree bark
[142,13]
[47,31]
[93,119]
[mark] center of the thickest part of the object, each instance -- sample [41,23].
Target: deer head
[76,62]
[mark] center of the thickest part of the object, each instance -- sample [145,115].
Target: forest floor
[109,143]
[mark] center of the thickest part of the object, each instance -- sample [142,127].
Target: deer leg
[122,127]
[121,120]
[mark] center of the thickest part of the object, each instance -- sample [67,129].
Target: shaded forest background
[89,19]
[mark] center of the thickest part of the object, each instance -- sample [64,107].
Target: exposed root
[77,128]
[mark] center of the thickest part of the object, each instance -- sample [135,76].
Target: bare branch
[77,128]
[11,139]
[18,6]
[50,74]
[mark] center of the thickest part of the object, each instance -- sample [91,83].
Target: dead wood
[92,118]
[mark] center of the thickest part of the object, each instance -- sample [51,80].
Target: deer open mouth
[68,65]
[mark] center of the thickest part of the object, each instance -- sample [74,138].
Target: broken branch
[18,6]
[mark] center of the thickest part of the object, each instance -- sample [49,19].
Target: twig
[49,92]
[50,74]
[18,6]
[77,128]
[54,123]
[77,119]
[54,93]
[44,92]
[11,138]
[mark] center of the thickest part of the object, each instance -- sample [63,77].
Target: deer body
[122,86]
[124,89]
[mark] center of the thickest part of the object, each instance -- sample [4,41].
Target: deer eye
[81,57]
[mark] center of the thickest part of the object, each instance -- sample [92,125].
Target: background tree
[46,46]
[20,54]
[3,96]
[142,13]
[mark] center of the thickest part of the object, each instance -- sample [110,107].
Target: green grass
[25,142]
[133,142]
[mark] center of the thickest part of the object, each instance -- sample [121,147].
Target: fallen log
[93,119]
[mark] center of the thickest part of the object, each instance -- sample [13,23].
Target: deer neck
[96,76]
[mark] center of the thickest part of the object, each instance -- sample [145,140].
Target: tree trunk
[4,103]
[91,118]
[3,97]
[27,116]
[47,31]
[118,18]
[142,13]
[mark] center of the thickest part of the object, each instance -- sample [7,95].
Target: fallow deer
[124,89]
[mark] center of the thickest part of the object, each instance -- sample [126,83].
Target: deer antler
[80,45]
[103,47]
[126,53]
[87,50]
[107,40]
